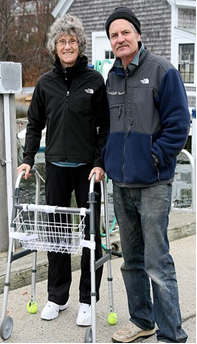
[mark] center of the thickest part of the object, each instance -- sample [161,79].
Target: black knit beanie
[122,13]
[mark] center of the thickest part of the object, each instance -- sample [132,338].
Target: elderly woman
[70,101]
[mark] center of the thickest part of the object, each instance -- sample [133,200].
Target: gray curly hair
[70,25]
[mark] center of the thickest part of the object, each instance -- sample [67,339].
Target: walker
[55,229]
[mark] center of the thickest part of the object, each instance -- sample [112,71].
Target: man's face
[124,40]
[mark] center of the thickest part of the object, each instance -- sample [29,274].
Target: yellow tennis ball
[32,307]
[112,318]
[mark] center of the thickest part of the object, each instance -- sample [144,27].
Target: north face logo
[145,81]
[89,90]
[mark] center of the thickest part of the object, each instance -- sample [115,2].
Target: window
[109,54]
[186,62]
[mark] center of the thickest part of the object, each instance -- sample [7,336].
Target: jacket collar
[77,69]
[118,67]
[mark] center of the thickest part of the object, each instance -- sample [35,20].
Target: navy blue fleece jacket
[149,117]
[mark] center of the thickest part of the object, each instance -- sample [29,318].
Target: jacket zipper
[155,165]
[126,73]
[67,98]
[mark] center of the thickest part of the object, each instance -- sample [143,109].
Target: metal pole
[92,257]
[10,84]
[8,159]
[109,270]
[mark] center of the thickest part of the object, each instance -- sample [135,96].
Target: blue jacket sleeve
[172,105]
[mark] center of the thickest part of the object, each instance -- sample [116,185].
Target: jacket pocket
[116,117]
[138,163]
[113,156]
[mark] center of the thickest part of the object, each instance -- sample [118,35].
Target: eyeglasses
[63,42]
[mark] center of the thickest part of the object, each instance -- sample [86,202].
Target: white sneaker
[84,315]
[51,310]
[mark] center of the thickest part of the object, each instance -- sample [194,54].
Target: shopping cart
[55,229]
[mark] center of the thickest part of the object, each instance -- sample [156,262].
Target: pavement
[29,328]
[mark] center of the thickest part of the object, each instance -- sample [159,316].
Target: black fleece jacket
[72,104]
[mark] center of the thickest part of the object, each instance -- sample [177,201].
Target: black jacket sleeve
[36,123]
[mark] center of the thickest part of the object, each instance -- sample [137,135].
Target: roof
[61,8]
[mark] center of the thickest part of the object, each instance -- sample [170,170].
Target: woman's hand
[100,174]
[26,168]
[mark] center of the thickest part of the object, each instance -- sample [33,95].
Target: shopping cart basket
[54,229]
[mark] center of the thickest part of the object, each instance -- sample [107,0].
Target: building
[168,29]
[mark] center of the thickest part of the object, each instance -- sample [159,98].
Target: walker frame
[37,228]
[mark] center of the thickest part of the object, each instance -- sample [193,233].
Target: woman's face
[67,50]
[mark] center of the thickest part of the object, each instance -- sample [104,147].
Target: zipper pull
[119,112]
[67,96]
[157,173]
[129,129]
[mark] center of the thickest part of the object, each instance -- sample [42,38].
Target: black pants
[60,183]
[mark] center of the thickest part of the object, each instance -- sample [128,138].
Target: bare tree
[23,35]
[6,24]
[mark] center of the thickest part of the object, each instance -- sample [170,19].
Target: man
[149,125]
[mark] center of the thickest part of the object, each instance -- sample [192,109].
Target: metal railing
[192,208]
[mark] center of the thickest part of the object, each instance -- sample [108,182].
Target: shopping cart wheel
[88,335]
[6,328]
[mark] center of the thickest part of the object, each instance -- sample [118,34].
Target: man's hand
[26,168]
[100,174]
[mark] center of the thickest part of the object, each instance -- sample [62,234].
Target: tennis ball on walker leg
[32,307]
[112,318]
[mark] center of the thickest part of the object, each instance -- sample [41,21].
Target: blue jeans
[142,215]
